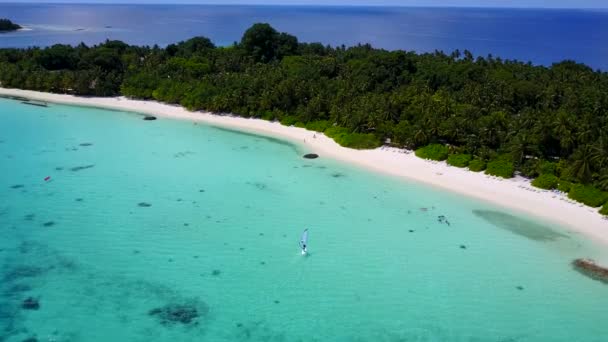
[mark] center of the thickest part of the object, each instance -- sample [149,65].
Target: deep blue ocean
[536,35]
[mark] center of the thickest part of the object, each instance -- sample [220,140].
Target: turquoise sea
[174,231]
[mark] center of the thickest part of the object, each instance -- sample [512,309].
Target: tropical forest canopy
[7,25]
[482,112]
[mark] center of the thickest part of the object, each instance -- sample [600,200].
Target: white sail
[304,239]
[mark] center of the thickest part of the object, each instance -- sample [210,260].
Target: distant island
[7,25]
[502,117]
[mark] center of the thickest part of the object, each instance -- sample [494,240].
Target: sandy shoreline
[515,194]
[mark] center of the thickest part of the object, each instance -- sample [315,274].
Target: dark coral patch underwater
[21,272]
[183,313]
[80,168]
[519,226]
[30,303]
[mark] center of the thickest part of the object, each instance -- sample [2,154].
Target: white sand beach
[515,193]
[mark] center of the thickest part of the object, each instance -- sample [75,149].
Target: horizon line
[26,2]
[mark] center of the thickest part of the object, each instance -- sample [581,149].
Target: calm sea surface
[171,231]
[540,36]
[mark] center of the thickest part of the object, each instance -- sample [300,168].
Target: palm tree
[602,182]
[599,155]
[420,136]
[585,134]
[521,145]
[581,167]
[562,128]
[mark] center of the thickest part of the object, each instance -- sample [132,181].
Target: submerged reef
[519,226]
[30,304]
[258,185]
[149,118]
[311,156]
[184,313]
[182,154]
[21,272]
[80,168]
[144,204]
[590,269]
[21,295]
[260,331]
[18,288]
[443,219]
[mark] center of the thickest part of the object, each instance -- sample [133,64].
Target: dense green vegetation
[433,152]
[508,115]
[547,168]
[477,165]
[7,25]
[459,160]
[546,181]
[501,168]
[345,138]
[564,186]
[588,195]
[604,210]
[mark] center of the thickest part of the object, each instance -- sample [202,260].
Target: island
[7,26]
[504,118]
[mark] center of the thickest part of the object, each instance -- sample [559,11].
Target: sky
[451,3]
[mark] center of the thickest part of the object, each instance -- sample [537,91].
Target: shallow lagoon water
[143,216]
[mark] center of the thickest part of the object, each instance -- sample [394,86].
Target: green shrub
[500,168]
[459,160]
[433,152]
[359,141]
[529,168]
[353,140]
[564,186]
[546,181]
[288,120]
[300,124]
[561,169]
[318,126]
[588,195]
[336,131]
[268,115]
[604,210]
[547,168]
[477,165]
